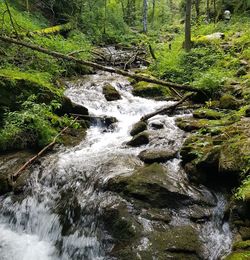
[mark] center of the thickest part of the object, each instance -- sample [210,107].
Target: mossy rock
[229,102]
[178,243]
[243,255]
[138,128]
[160,156]
[151,185]
[110,93]
[9,164]
[69,107]
[16,87]
[120,223]
[149,90]
[241,245]
[140,139]
[207,114]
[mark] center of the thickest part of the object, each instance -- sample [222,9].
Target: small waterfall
[56,218]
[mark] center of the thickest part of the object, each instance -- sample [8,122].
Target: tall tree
[197,9]
[187,44]
[145,16]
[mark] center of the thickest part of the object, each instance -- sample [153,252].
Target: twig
[30,161]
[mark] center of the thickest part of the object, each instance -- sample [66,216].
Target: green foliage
[35,125]
[243,192]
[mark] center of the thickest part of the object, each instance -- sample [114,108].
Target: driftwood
[166,109]
[100,67]
[34,158]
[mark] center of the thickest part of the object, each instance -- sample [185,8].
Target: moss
[229,102]
[17,86]
[149,184]
[110,93]
[245,255]
[241,245]
[140,139]
[208,114]
[151,156]
[138,128]
[149,90]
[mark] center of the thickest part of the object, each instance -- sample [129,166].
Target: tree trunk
[208,10]
[197,9]
[153,13]
[167,109]
[188,43]
[100,67]
[145,16]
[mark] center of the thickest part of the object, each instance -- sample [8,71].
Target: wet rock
[69,107]
[176,243]
[190,124]
[207,114]
[110,93]
[245,232]
[149,90]
[151,156]
[140,139]
[120,223]
[157,215]
[229,102]
[151,185]
[138,128]
[156,124]
[9,164]
[242,255]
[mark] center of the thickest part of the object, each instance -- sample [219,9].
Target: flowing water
[56,218]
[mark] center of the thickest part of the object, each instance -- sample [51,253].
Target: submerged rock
[138,128]
[140,139]
[151,156]
[110,93]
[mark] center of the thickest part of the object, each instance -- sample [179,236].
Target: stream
[58,216]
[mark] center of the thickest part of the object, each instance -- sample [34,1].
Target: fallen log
[50,30]
[166,109]
[34,158]
[137,77]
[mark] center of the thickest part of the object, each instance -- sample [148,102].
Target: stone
[110,93]
[241,72]
[140,139]
[160,156]
[229,102]
[247,113]
[207,114]
[149,90]
[69,107]
[177,243]
[152,186]
[138,128]
[156,124]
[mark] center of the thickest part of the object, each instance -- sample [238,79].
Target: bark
[153,13]
[188,26]
[208,10]
[197,9]
[145,16]
[100,67]
[165,110]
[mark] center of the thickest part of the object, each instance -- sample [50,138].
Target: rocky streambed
[114,196]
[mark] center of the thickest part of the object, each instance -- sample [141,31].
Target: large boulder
[139,139]
[69,107]
[110,93]
[152,185]
[153,155]
[138,128]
